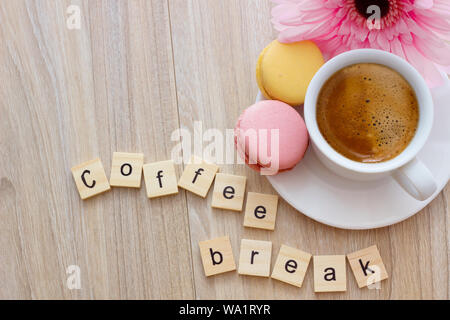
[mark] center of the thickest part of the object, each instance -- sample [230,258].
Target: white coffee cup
[407,170]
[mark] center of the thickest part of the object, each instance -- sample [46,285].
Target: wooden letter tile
[255,256]
[261,211]
[291,266]
[217,256]
[330,274]
[229,192]
[198,176]
[160,179]
[90,178]
[367,266]
[126,170]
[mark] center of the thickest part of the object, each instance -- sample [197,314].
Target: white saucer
[325,197]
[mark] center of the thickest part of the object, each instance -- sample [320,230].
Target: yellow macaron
[284,71]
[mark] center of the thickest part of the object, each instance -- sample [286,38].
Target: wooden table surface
[136,71]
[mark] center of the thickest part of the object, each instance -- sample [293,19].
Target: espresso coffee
[367,112]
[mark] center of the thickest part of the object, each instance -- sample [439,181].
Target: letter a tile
[330,274]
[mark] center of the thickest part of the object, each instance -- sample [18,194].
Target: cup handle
[416,179]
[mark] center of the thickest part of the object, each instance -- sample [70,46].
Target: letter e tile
[261,211]
[291,266]
[229,191]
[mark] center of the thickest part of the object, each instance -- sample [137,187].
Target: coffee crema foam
[367,112]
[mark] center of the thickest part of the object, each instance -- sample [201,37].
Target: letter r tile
[255,257]
[90,178]
[217,256]
[367,266]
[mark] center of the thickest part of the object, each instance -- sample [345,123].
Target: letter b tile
[217,256]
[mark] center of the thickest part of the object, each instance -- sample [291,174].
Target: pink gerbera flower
[415,30]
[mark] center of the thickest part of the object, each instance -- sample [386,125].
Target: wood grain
[136,71]
[70,96]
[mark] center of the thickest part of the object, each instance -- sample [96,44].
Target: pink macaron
[271,136]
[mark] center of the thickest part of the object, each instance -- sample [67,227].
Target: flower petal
[332,4]
[437,52]
[317,15]
[293,34]
[312,5]
[345,28]
[383,42]
[433,76]
[445,69]
[437,25]
[396,48]
[413,30]
[423,4]
[414,57]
